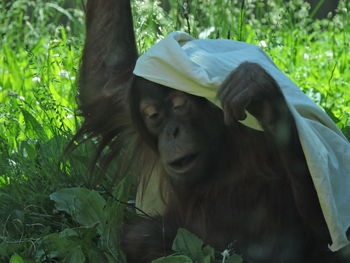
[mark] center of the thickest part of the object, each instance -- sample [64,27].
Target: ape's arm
[110,49]
[250,87]
[108,60]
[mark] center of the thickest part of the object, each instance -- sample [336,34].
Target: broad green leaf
[16,259]
[75,256]
[173,259]
[208,254]
[95,255]
[114,213]
[187,242]
[234,259]
[85,206]
[68,232]
[67,246]
[58,245]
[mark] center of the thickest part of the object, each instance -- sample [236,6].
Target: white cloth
[199,67]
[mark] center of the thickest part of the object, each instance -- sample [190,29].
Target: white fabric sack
[199,67]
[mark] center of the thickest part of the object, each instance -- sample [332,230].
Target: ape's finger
[233,113]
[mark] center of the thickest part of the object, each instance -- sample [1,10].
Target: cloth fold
[199,67]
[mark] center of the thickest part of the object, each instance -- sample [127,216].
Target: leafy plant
[190,249]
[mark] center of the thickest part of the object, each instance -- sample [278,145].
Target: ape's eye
[178,102]
[151,112]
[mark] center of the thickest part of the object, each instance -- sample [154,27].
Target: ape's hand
[146,239]
[250,87]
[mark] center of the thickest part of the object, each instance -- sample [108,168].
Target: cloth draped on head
[199,67]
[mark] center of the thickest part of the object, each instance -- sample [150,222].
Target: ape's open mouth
[184,163]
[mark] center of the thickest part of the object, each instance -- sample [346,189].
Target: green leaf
[229,257]
[33,125]
[346,132]
[75,256]
[88,208]
[58,245]
[67,246]
[16,259]
[208,254]
[114,214]
[189,244]
[331,114]
[29,149]
[234,259]
[68,232]
[60,9]
[173,259]
[85,206]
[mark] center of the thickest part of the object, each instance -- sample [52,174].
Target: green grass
[40,51]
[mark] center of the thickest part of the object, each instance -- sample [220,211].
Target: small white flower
[263,44]
[63,73]
[36,79]
[329,54]
[306,56]
[225,254]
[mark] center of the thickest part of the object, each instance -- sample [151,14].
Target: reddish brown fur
[251,198]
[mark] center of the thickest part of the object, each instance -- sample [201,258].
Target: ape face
[186,131]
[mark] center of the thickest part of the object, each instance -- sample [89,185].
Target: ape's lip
[184,163]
